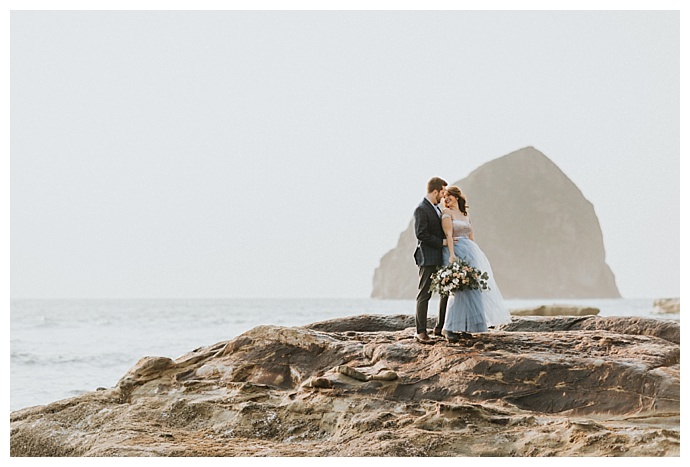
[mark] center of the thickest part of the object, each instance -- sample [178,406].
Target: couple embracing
[444,235]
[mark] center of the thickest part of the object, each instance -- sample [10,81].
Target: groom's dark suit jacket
[427,228]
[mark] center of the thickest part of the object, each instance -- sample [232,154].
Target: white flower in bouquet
[458,275]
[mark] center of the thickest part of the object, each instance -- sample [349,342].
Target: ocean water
[63,348]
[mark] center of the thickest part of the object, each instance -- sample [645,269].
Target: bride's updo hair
[457,194]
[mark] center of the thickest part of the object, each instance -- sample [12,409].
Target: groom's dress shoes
[437,332]
[423,338]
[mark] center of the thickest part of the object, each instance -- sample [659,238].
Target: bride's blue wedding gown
[473,310]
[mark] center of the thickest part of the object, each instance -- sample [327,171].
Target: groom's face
[440,195]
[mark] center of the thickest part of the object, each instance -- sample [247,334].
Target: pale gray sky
[281,154]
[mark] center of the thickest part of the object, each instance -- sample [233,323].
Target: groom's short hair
[435,184]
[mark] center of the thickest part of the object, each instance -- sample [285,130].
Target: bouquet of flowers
[458,275]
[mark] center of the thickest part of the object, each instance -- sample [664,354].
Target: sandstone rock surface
[555,310]
[667,305]
[361,386]
[541,235]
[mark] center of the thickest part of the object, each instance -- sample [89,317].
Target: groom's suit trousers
[423,297]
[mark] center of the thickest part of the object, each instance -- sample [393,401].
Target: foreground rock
[540,233]
[564,386]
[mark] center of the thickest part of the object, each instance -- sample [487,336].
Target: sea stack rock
[540,233]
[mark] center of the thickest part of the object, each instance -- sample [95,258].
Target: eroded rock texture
[361,386]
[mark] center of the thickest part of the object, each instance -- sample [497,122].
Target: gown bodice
[461,228]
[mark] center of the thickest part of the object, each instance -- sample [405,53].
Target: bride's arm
[447,224]
[471,235]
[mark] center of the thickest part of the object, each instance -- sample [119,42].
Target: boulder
[538,386]
[555,310]
[667,305]
[540,233]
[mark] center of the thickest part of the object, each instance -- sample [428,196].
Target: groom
[428,255]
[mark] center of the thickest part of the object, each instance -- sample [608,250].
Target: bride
[468,310]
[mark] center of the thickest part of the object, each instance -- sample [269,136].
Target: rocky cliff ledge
[541,235]
[361,386]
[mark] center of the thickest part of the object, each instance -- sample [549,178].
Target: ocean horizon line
[642,297]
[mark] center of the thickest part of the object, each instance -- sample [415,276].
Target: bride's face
[450,201]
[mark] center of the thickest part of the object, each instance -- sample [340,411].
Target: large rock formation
[540,233]
[361,386]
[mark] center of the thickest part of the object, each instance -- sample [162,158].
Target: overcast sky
[280,154]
